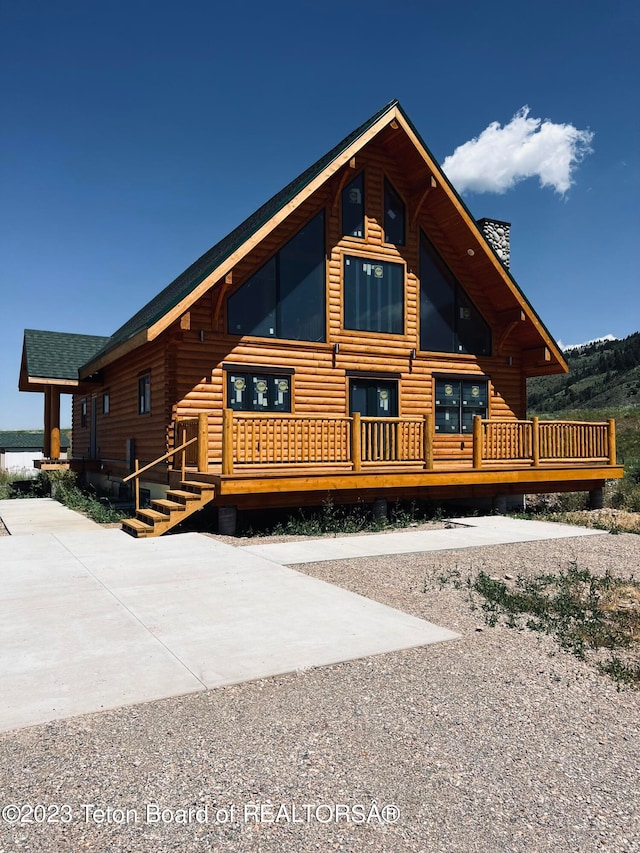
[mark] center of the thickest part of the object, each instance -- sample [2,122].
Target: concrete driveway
[95,619]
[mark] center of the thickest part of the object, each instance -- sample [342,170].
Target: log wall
[186,361]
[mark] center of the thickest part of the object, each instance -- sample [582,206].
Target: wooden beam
[47,424]
[185,321]
[54,424]
[344,177]
[203,442]
[422,198]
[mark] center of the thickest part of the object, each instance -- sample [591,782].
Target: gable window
[83,412]
[393,216]
[286,297]
[373,295]
[144,394]
[449,321]
[353,208]
[457,401]
[258,391]
[106,402]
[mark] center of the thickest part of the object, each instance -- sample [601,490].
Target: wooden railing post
[136,480]
[203,442]
[428,441]
[611,435]
[183,466]
[477,441]
[356,442]
[227,441]
[535,441]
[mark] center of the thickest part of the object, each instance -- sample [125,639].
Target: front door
[375,398]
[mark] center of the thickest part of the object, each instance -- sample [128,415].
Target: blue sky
[135,135]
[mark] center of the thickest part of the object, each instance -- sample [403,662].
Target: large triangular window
[286,297]
[449,321]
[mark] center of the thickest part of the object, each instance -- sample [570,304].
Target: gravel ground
[496,742]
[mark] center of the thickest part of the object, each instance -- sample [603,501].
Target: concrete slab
[464,533]
[99,620]
[41,515]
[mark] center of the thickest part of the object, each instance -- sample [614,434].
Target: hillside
[602,375]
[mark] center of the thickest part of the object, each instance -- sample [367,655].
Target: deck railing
[282,439]
[536,442]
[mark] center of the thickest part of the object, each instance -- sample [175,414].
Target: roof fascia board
[117,352]
[473,226]
[227,265]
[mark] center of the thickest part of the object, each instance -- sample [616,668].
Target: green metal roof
[198,271]
[28,439]
[58,355]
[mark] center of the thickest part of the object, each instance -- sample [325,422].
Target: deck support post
[54,424]
[46,449]
[499,504]
[535,441]
[356,442]
[596,498]
[380,508]
[428,441]
[477,442]
[227,520]
[227,441]
[203,442]
[611,435]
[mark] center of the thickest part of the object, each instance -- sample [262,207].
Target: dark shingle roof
[58,355]
[28,439]
[198,271]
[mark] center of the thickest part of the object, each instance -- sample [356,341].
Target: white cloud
[501,157]
[603,339]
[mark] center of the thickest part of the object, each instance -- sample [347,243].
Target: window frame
[460,296]
[461,380]
[373,259]
[251,374]
[144,393]
[274,259]
[360,176]
[390,190]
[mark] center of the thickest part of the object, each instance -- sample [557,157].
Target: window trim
[373,258]
[144,400]
[363,174]
[275,257]
[252,371]
[388,183]
[460,377]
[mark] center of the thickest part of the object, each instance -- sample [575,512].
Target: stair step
[137,528]
[168,506]
[194,486]
[180,496]
[151,516]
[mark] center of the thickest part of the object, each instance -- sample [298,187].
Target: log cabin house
[360,335]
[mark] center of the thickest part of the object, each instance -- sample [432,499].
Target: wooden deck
[297,460]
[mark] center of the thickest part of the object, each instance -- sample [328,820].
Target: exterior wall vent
[498,236]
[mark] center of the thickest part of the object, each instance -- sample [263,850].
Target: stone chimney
[497,234]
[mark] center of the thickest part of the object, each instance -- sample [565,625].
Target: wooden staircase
[167,512]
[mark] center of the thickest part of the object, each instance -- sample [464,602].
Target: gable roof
[56,357]
[210,269]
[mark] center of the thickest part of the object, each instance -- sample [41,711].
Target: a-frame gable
[433,196]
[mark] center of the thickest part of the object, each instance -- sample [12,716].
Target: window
[105,403]
[393,216]
[353,208]
[457,401]
[373,398]
[373,296]
[144,394]
[286,297]
[449,321]
[83,412]
[257,391]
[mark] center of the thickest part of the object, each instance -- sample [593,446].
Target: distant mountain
[603,374]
